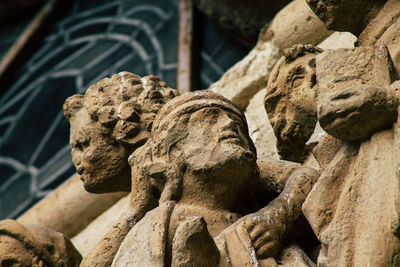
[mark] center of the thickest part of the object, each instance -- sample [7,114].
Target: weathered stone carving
[290,101]
[358,189]
[354,95]
[352,208]
[374,22]
[108,123]
[202,164]
[35,245]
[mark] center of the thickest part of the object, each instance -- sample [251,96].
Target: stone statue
[35,245]
[357,190]
[202,164]
[291,103]
[352,207]
[374,22]
[356,194]
[357,101]
[108,123]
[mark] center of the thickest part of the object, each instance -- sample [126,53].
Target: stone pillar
[69,209]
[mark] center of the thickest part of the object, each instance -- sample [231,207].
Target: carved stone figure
[354,95]
[201,163]
[352,207]
[374,22]
[354,199]
[291,103]
[35,245]
[108,123]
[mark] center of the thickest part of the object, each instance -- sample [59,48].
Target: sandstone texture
[35,245]
[352,208]
[122,108]
[70,198]
[207,188]
[200,137]
[354,97]
[290,101]
[242,19]
[241,82]
[86,240]
[260,129]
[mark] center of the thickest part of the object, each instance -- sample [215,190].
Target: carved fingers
[265,234]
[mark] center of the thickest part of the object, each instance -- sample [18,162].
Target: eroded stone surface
[87,239]
[290,101]
[241,82]
[260,128]
[203,163]
[35,245]
[108,123]
[354,98]
[355,197]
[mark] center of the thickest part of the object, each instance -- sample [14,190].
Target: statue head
[345,15]
[108,123]
[198,139]
[35,245]
[290,100]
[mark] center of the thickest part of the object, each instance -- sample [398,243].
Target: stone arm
[142,199]
[104,252]
[269,226]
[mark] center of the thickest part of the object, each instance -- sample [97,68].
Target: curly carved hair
[124,104]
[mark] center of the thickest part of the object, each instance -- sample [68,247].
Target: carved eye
[297,80]
[80,145]
[296,76]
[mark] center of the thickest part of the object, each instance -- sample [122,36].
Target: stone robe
[354,208]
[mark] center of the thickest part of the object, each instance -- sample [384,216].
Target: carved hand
[266,230]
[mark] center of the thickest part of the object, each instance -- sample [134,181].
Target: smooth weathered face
[218,142]
[290,101]
[98,158]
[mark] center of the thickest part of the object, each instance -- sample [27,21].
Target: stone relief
[108,123]
[199,195]
[290,101]
[352,207]
[202,162]
[175,170]
[35,245]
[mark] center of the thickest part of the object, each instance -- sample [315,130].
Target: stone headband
[191,102]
